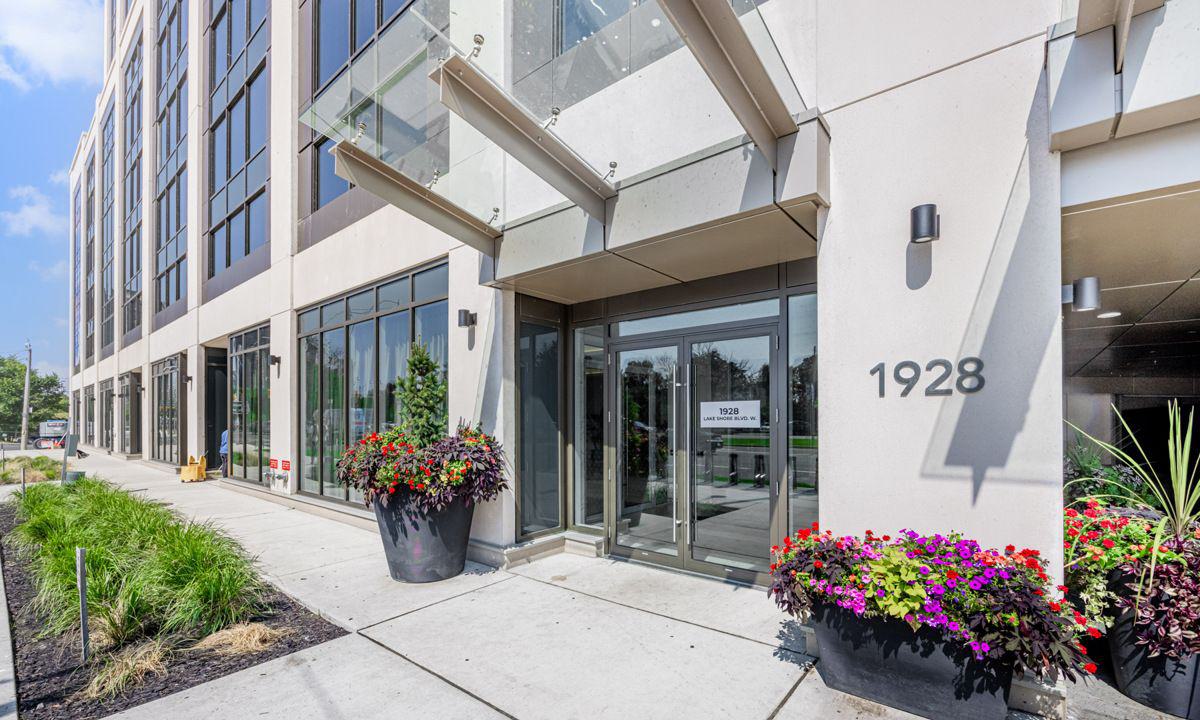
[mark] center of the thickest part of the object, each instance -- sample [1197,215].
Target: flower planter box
[885,661]
[424,547]
[1164,684]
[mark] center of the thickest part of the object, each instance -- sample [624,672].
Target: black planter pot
[421,547]
[1164,684]
[887,662]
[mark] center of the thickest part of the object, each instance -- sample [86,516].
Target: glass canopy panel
[750,12]
[386,104]
[623,84]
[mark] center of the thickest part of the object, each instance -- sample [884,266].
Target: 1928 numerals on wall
[907,373]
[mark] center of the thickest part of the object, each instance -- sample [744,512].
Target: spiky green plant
[1175,499]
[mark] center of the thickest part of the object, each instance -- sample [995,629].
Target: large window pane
[264,405]
[237,417]
[538,460]
[583,18]
[329,185]
[333,407]
[310,413]
[364,21]
[431,283]
[362,384]
[589,426]
[802,410]
[237,135]
[432,330]
[393,364]
[333,37]
[252,379]
[258,112]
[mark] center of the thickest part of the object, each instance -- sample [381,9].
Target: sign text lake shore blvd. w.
[730,414]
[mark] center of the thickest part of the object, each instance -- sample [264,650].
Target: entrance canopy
[477,131]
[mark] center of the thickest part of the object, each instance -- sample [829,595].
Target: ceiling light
[1109,315]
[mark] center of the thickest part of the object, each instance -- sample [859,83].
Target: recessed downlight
[1108,315]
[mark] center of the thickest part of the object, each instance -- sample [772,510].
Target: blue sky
[50,72]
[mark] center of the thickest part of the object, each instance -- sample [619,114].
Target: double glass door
[697,431]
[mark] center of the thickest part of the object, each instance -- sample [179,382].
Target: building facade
[624,229]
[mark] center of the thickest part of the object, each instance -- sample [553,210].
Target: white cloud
[55,40]
[60,177]
[49,273]
[8,74]
[34,215]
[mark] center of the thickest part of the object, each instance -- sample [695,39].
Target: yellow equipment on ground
[194,471]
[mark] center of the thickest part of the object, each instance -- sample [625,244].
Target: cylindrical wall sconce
[1085,294]
[926,224]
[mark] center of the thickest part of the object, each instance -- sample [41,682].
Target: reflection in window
[107,230]
[589,426]
[329,184]
[237,135]
[802,409]
[170,188]
[538,455]
[131,249]
[249,404]
[354,351]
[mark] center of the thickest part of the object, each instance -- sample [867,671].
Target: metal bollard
[81,583]
[22,479]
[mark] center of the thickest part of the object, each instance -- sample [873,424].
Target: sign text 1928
[944,380]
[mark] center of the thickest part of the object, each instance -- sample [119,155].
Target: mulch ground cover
[50,676]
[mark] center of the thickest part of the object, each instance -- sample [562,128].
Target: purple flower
[924,570]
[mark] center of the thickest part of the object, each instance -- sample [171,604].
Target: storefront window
[106,414]
[588,456]
[353,354]
[802,413]
[538,459]
[89,415]
[249,403]
[130,403]
[168,432]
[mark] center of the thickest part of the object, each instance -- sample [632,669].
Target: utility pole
[25,404]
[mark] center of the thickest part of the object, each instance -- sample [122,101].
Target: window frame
[343,326]
[131,251]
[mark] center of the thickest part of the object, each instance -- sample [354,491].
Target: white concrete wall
[973,138]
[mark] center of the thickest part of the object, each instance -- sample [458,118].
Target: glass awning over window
[609,90]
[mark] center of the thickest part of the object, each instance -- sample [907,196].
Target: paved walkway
[563,637]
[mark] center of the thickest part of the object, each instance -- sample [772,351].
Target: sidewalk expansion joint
[441,677]
[807,671]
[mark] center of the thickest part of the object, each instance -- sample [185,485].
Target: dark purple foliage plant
[1167,615]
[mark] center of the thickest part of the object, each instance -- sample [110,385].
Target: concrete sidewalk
[563,637]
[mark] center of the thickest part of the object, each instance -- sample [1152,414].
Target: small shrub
[38,468]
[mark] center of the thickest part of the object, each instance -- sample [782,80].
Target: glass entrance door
[648,518]
[694,423]
[731,451]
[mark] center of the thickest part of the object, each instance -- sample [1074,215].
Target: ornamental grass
[151,575]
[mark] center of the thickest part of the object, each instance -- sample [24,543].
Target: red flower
[952,575]
[1010,549]
[887,537]
[1094,632]
[1108,543]
[1082,649]
[818,564]
[1090,668]
[1055,605]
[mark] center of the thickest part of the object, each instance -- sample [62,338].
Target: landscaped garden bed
[172,604]
[38,468]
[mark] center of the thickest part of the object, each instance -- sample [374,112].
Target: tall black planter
[1164,684]
[421,547]
[887,662]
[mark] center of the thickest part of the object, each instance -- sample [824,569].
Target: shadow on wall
[1017,310]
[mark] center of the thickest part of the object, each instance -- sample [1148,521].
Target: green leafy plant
[900,579]
[1175,501]
[422,399]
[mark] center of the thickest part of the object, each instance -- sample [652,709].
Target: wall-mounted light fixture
[466,318]
[274,360]
[1083,294]
[926,224]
